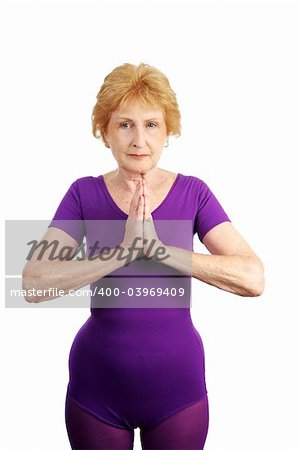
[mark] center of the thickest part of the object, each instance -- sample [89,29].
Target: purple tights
[184,430]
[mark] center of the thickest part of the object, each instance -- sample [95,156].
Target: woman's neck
[127,181]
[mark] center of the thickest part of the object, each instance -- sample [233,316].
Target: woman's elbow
[257,284]
[28,285]
[27,289]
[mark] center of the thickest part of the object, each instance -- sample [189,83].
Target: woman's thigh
[87,432]
[184,430]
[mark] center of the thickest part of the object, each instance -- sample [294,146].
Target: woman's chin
[139,168]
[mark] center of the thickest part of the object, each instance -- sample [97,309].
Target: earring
[167,143]
[106,145]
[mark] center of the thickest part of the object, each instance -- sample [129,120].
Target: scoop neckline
[117,208]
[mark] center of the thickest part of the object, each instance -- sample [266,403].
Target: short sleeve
[68,216]
[210,212]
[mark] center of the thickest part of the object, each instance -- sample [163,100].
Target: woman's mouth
[138,156]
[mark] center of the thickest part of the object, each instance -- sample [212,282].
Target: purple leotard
[134,367]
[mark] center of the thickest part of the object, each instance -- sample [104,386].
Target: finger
[136,198]
[147,214]
[139,204]
[142,198]
[146,201]
[134,201]
[140,208]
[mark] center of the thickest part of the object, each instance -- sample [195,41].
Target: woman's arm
[62,274]
[233,265]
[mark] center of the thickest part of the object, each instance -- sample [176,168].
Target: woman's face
[134,130]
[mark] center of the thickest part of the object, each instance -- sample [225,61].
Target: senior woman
[141,367]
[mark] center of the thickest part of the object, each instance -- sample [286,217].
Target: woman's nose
[139,137]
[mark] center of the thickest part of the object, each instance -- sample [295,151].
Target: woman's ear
[104,136]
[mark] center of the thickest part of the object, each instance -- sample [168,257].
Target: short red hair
[127,83]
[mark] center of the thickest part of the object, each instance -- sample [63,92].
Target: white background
[234,68]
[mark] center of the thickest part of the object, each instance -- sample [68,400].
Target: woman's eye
[152,123]
[124,124]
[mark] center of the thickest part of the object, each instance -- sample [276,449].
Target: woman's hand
[151,241]
[140,226]
[134,225]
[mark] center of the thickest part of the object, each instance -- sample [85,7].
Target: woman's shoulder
[192,180]
[187,178]
[86,180]
[84,186]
